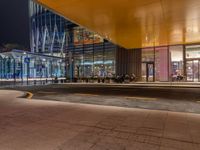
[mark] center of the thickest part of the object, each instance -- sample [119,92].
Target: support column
[128,62]
[184,61]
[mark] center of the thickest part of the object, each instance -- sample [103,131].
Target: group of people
[177,77]
[125,78]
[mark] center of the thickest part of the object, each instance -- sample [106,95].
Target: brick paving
[51,125]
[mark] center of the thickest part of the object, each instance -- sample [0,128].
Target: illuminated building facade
[51,34]
[88,55]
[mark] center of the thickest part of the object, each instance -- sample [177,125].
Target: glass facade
[176,60]
[155,64]
[60,48]
[87,54]
[83,36]
[93,61]
[19,65]
[172,63]
[192,54]
[47,31]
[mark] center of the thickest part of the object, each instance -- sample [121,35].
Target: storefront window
[193,63]
[176,60]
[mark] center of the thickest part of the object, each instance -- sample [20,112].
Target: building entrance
[148,72]
[193,70]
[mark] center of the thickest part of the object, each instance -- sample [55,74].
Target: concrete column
[128,61]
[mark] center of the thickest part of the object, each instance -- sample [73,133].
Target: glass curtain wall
[109,60]
[88,61]
[176,61]
[99,68]
[192,54]
[47,31]
[53,35]
[16,65]
[78,63]
[155,64]
[92,57]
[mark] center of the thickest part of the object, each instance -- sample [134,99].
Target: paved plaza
[51,125]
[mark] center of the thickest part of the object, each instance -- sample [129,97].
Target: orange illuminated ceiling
[135,23]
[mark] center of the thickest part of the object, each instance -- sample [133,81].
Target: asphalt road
[155,98]
[191,94]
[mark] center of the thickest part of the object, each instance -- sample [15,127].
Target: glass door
[148,72]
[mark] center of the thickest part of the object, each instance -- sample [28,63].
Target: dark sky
[14,22]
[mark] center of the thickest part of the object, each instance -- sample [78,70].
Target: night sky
[14,22]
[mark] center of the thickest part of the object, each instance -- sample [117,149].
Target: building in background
[61,48]
[86,53]
[20,65]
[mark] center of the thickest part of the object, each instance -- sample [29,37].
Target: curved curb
[27,95]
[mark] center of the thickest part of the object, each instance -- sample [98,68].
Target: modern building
[20,65]
[154,41]
[86,53]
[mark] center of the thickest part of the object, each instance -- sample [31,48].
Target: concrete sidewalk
[147,84]
[49,125]
[7,84]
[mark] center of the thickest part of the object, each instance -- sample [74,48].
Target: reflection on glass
[78,65]
[83,36]
[196,70]
[88,63]
[176,61]
[148,55]
[193,52]
[189,69]
[192,68]
[96,61]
